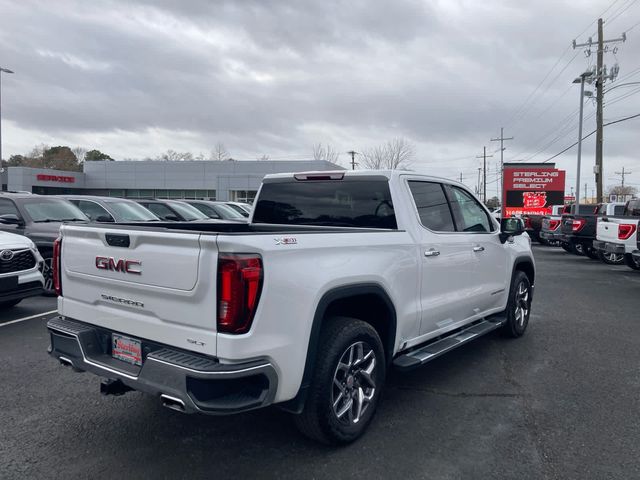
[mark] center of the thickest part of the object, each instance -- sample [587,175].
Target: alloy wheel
[521,304]
[354,384]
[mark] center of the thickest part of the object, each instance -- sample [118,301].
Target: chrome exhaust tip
[172,403]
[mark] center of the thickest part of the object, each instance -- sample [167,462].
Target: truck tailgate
[158,285]
[607,230]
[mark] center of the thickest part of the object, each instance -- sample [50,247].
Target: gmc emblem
[126,266]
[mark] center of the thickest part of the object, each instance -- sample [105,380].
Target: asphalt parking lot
[561,402]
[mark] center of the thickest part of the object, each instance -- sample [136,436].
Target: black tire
[9,304]
[577,249]
[610,258]
[631,262]
[47,273]
[591,252]
[567,247]
[518,306]
[320,419]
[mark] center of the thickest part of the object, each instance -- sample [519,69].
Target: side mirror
[10,219]
[105,219]
[510,227]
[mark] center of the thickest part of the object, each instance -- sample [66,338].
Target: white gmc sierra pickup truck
[337,277]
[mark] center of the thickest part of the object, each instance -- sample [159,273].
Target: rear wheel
[577,249]
[567,247]
[611,258]
[631,262]
[519,306]
[346,384]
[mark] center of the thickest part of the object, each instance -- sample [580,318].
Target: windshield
[188,212]
[227,212]
[53,211]
[239,209]
[132,212]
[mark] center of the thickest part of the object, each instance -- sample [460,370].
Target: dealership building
[228,180]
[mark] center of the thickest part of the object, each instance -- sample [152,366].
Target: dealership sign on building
[532,189]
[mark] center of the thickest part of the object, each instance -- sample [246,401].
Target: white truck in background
[337,277]
[617,235]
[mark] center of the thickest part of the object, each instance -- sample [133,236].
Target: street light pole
[581,81]
[2,70]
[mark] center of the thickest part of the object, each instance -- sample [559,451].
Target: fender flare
[528,261]
[296,404]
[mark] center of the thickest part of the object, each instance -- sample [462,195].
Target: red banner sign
[532,190]
[55,178]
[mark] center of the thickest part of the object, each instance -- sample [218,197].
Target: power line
[611,19]
[587,136]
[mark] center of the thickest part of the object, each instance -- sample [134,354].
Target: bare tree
[220,153]
[620,190]
[173,156]
[263,158]
[79,152]
[328,153]
[396,154]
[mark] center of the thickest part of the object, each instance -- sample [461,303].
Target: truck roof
[339,174]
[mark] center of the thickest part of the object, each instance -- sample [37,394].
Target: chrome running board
[427,352]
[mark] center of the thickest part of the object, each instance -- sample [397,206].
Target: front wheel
[346,384]
[631,262]
[518,306]
[47,272]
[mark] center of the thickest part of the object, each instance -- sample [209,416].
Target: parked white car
[338,277]
[20,275]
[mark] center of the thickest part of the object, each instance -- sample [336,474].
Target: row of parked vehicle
[606,231]
[29,226]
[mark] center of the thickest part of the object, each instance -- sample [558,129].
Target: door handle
[431,253]
[478,248]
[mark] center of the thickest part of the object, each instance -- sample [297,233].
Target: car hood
[12,240]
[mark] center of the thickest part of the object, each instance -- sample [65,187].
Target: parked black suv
[38,217]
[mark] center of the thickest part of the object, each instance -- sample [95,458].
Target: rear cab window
[349,202]
[433,208]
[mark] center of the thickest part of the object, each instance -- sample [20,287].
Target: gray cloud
[273,77]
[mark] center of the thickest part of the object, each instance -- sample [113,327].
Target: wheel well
[527,268]
[372,309]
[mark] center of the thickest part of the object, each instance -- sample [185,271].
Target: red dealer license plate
[126,349]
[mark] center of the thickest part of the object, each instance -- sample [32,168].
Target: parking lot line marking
[28,318]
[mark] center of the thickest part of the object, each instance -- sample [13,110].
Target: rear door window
[432,206]
[359,203]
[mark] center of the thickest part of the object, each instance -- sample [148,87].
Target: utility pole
[585,194]
[600,77]
[501,140]
[622,174]
[479,176]
[484,157]
[353,159]
[460,177]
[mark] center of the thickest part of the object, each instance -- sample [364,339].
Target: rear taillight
[578,224]
[239,286]
[55,266]
[554,224]
[625,231]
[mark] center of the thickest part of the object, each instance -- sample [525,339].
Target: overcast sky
[274,77]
